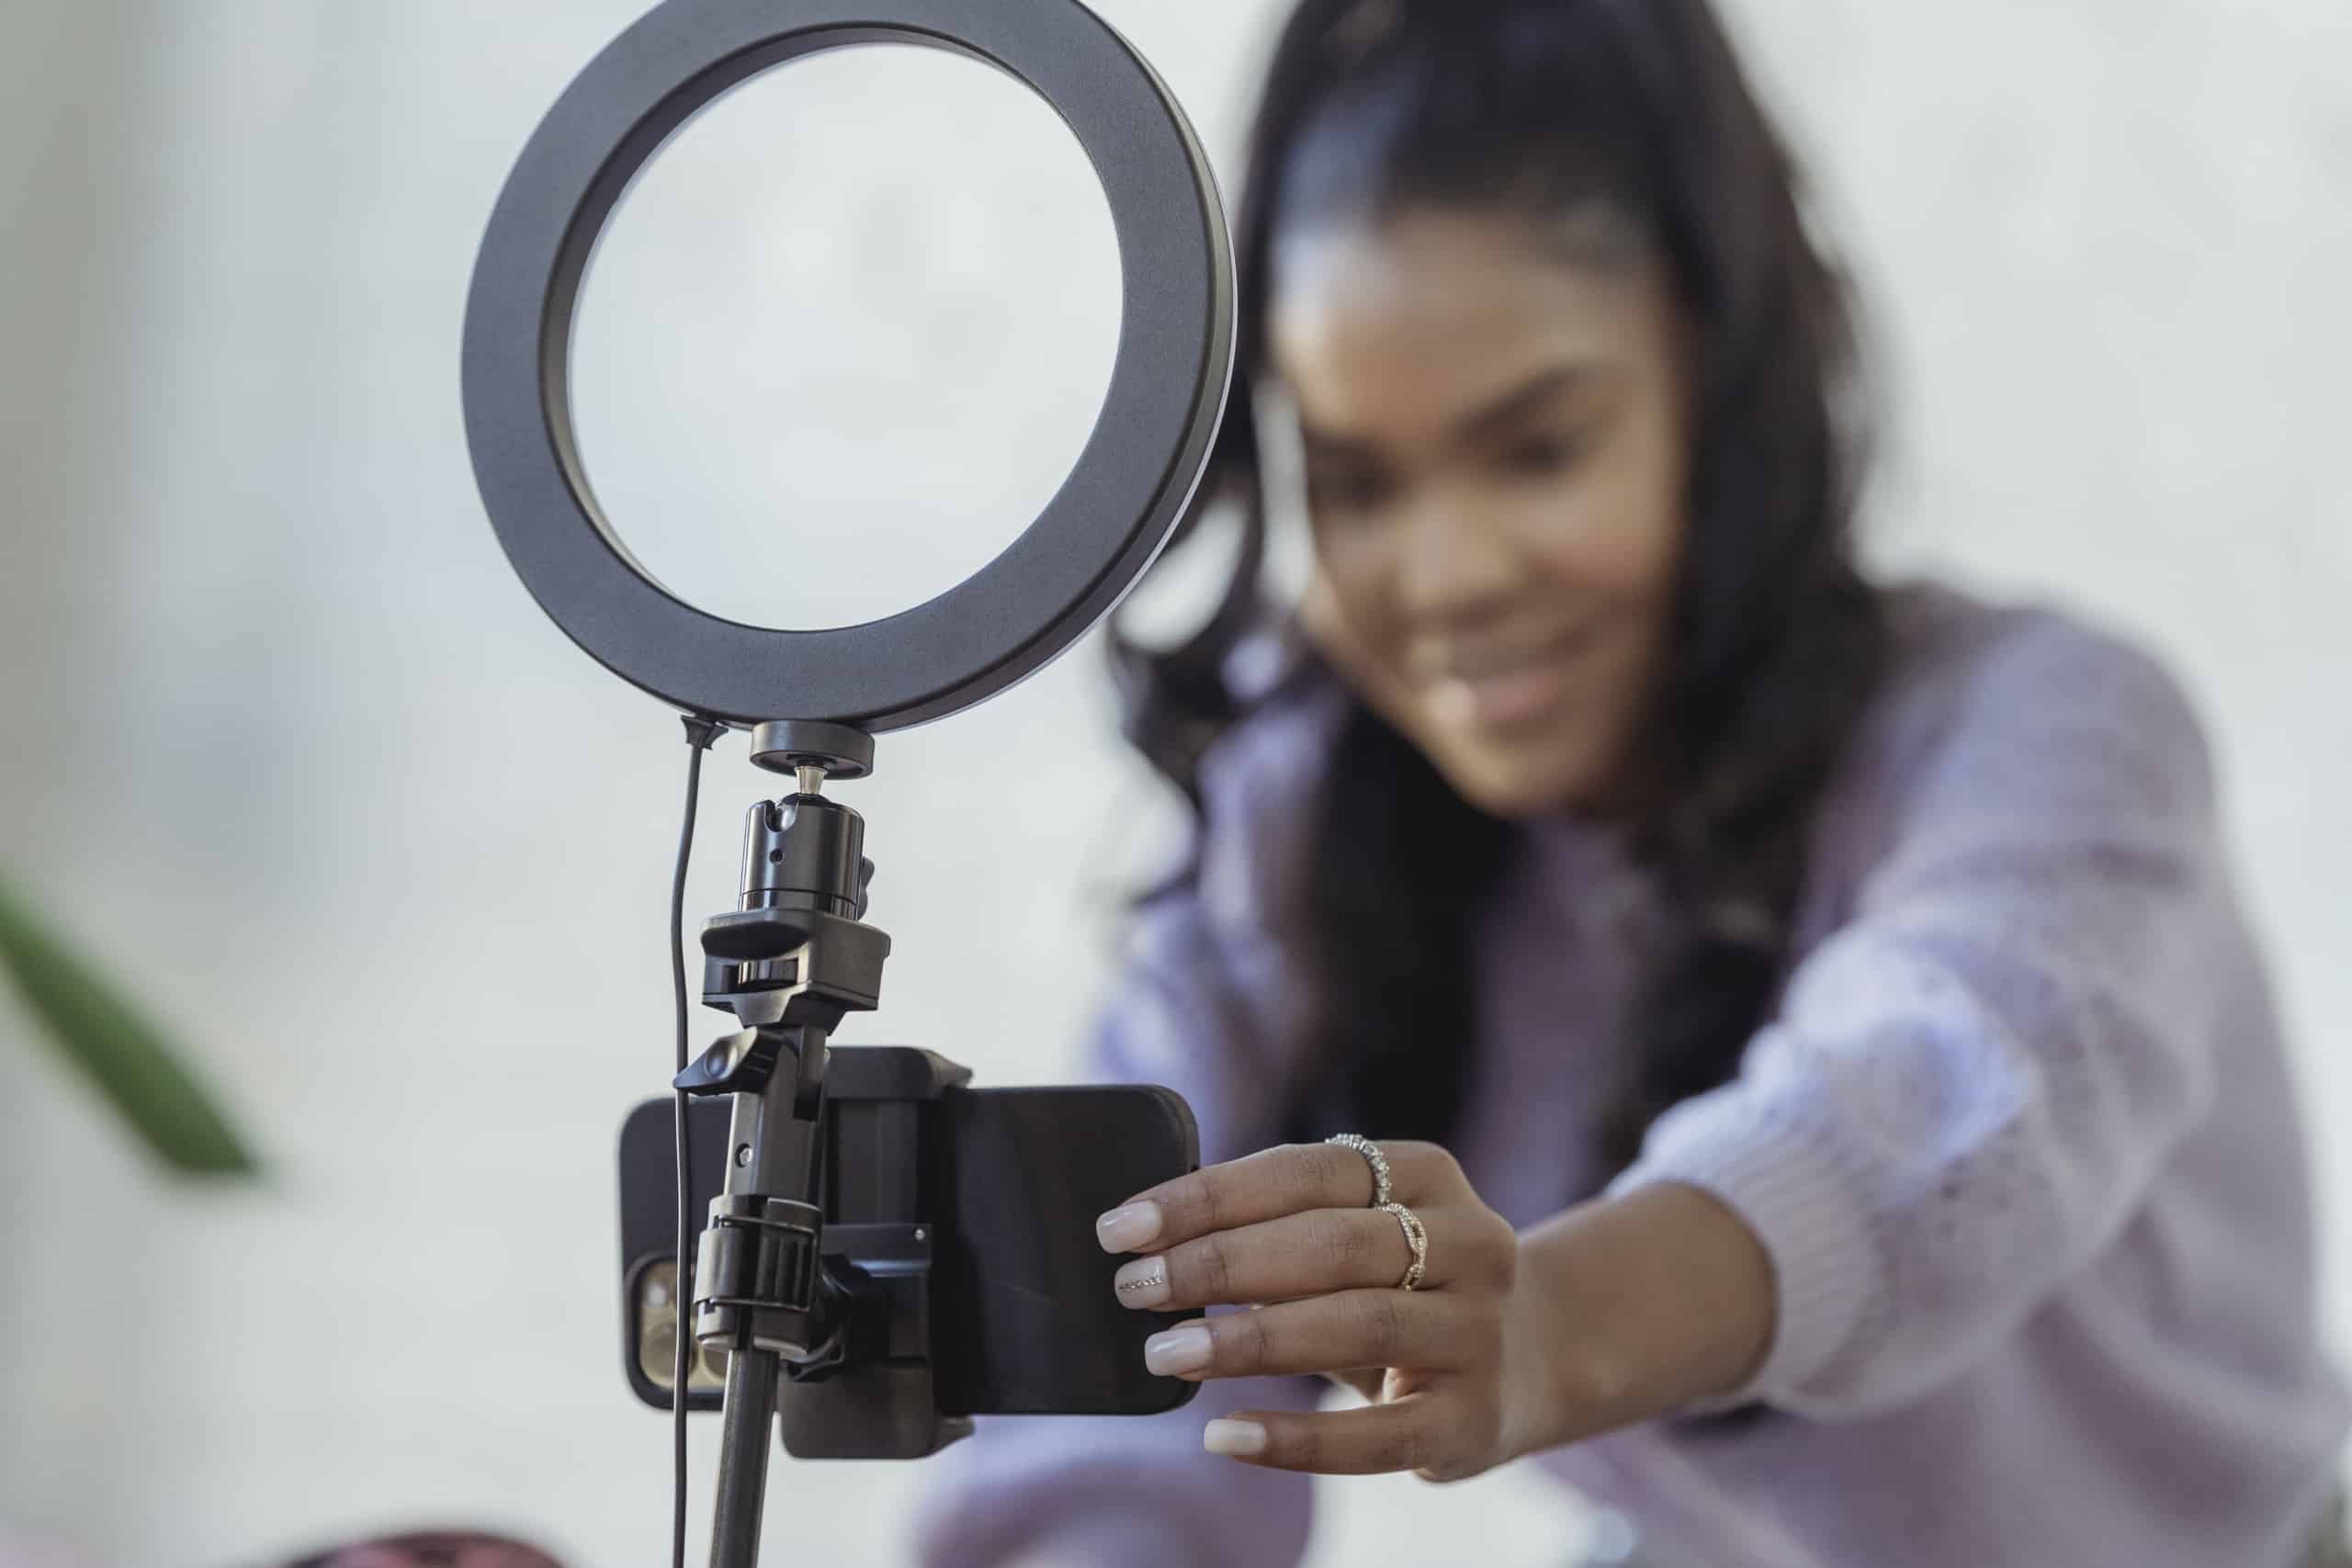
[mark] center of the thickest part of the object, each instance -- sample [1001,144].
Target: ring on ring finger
[1301,1254]
[1417,1236]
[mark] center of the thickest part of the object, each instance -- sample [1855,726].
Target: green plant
[130,1062]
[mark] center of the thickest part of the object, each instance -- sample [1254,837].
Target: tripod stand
[893,1251]
[790,963]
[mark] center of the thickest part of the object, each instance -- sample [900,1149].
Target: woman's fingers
[1413,1433]
[1349,1329]
[1276,1261]
[1289,1179]
[1368,1382]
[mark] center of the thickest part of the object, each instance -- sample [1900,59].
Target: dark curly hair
[1533,107]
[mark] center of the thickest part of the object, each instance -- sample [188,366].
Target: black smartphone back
[1024,1316]
[1031,1322]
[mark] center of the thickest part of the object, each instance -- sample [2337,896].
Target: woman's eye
[1542,456]
[1349,492]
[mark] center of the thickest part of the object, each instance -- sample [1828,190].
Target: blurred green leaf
[119,1050]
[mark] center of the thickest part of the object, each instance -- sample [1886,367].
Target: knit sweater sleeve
[1969,1086]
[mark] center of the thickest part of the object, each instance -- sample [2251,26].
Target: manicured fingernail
[1185,1349]
[1243,1439]
[1143,1283]
[1128,1227]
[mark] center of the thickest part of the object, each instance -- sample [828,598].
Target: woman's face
[1494,458]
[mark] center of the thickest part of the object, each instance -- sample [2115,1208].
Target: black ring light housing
[1112,514]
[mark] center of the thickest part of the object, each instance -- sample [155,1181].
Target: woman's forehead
[1424,318]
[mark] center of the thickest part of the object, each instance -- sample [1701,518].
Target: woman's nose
[1453,566]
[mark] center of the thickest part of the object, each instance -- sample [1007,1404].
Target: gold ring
[1417,1236]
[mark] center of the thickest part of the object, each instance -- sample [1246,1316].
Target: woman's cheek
[1341,614]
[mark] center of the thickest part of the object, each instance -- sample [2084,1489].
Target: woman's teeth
[1500,697]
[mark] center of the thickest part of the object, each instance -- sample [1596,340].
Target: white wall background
[287,743]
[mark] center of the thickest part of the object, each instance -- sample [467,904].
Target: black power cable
[700,733]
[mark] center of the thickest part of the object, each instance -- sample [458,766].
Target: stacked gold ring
[1417,1236]
[1383,1198]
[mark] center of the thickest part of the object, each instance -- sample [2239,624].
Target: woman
[1837,1112]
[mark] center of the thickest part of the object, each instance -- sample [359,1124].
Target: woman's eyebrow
[1325,444]
[1526,396]
[1495,414]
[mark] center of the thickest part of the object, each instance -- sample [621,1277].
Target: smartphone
[1002,1187]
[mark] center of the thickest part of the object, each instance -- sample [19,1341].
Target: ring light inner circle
[845,336]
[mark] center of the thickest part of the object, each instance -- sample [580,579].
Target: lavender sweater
[2018,1139]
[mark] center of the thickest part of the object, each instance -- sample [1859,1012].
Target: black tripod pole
[790,963]
[777,1142]
[744,1458]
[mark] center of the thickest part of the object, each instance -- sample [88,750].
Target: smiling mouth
[1512,692]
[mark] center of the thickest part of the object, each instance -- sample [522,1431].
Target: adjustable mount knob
[805,853]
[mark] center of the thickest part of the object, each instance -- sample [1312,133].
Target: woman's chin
[1517,782]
